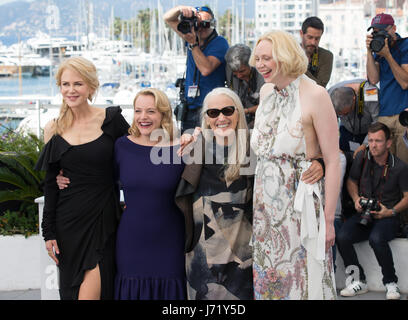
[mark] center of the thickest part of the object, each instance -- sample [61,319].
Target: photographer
[387,63]
[243,79]
[205,57]
[320,60]
[356,105]
[378,185]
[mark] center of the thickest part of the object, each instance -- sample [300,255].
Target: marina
[131,60]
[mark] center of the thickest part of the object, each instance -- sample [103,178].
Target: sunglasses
[205,9]
[226,111]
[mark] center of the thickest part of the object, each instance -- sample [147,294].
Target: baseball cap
[381,21]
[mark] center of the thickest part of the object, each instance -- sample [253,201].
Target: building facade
[286,15]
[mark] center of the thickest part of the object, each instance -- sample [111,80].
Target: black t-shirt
[212,176]
[376,182]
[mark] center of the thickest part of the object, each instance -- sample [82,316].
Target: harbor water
[10,86]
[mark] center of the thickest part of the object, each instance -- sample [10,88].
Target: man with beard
[320,60]
[389,68]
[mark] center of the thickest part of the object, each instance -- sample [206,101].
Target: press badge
[193,92]
[371,93]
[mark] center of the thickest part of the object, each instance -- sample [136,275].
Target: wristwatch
[192,46]
[394,213]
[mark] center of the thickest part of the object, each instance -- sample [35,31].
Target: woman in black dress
[79,222]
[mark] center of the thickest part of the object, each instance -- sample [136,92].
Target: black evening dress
[83,218]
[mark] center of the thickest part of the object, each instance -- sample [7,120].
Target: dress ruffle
[113,128]
[54,149]
[141,288]
[52,152]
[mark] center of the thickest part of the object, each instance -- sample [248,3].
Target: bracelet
[192,46]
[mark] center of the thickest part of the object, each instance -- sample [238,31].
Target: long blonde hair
[289,55]
[239,148]
[87,71]
[162,103]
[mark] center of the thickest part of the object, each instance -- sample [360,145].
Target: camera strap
[360,104]
[361,99]
[207,41]
[375,186]
[313,64]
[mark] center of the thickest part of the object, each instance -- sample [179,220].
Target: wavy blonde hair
[289,55]
[87,71]
[239,148]
[162,103]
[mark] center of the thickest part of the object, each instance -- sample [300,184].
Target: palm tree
[18,155]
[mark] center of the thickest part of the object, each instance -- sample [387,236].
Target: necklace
[283,92]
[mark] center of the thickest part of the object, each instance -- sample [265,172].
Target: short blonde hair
[162,103]
[240,147]
[286,51]
[87,71]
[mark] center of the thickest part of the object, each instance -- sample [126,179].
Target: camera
[180,110]
[378,41]
[186,24]
[403,118]
[368,205]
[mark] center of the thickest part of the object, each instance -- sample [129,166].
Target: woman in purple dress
[150,238]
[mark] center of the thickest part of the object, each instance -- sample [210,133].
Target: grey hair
[342,97]
[238,152]
[238,55]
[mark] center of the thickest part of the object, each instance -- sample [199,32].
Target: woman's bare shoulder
[266,89]
[49,130]
[313,95]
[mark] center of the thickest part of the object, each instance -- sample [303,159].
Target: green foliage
[23,222]
[142,21]
[19,153]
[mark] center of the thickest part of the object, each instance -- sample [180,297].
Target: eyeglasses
[226,111]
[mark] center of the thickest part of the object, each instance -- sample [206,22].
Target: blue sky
[248,3]
[5,1]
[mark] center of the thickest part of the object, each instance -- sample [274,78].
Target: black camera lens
[378,41]
[377,44]
[186,24]
[403,118]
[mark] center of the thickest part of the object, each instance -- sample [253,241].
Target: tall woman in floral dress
[293,224]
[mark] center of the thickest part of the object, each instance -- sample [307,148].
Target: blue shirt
[393,99]
[218,48]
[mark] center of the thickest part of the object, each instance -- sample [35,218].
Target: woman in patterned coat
[215,195]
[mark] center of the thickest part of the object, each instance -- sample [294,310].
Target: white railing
[21,107]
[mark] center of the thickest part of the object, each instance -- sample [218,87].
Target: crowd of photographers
[373,122]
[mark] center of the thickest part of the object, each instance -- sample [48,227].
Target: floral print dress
[280,260]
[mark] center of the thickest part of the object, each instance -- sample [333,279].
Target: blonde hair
[238,152]
[287,52]
[162,103]
[87,71]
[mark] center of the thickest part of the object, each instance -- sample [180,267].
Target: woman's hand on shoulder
[187,141]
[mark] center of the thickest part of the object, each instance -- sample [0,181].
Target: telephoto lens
[403,118]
